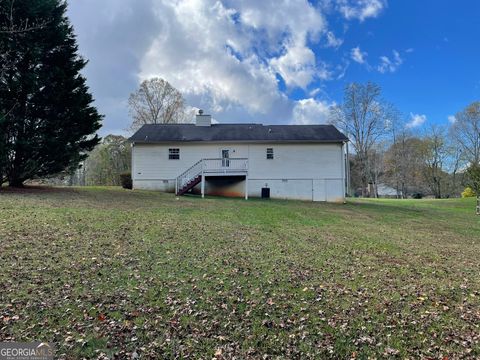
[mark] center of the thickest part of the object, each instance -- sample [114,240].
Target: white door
[225,157]
[319,193]
[335,190]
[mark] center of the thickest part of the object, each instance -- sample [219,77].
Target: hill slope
[107,271]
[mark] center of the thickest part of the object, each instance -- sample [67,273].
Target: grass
[104,272]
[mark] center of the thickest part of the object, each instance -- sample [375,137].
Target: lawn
[105,272]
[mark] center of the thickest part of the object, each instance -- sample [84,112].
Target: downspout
[132,173]
[347,169]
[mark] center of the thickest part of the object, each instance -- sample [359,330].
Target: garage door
[319,190]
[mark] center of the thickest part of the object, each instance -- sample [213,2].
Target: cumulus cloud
[238,59]
[416,120]
[451,119]
[358,55]
[311,111]
[361,9]
[296,66]
[229,54]
[390,64]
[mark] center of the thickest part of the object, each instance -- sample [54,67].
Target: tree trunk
[365,188]
[478,205]
[16,183]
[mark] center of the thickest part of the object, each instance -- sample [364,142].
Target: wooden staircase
[189,185]
[189,178]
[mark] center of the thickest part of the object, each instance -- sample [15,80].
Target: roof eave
[241,141]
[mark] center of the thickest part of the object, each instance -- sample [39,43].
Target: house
[380,190]
[305,162]
[385,191]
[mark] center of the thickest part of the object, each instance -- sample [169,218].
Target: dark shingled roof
[158,133]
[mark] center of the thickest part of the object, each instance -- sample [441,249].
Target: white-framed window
[174,154]
[269,153]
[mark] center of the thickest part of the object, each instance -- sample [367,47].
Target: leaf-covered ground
[110,273]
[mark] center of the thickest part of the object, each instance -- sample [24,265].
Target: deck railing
[225,165]
[211,166]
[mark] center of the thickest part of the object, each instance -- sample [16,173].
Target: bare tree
[466,132]
[376,160]
[364,117]
[396,163]
[156,102]
[454,165]
[435,157]
[404,159]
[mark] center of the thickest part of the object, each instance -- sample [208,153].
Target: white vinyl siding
[298,171]
[152,160]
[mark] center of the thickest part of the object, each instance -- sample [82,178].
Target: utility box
[265,193]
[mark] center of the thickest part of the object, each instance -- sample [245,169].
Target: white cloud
[314,92]
[416,120]
[390,65]
[452,119]
[333,41]
[358,55]
[229,57]
[296,66]
[311,111]
[226,55]
[361,9]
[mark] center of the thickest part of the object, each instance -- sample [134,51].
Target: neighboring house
[385,191]
[305,162]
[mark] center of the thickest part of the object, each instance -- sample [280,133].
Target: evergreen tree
[47,121]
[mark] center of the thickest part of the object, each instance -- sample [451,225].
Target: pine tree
[47,120]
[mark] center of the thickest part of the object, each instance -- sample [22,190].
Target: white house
[305,162]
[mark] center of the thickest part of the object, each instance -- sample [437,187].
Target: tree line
[436,160]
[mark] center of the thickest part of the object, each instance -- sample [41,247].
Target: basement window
[174,154]
[269,153]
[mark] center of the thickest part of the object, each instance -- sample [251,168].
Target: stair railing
[191,173]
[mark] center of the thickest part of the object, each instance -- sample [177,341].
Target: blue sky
[436,40]
[280,61]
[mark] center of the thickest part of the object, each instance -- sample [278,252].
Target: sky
[281,61]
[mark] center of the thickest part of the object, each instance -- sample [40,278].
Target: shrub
[417,195]
[473,178]
[126,180]
[468,192]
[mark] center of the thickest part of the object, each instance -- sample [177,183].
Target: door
[225,157]
[319,193]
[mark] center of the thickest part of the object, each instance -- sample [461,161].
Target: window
[269,153]
[174,154]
